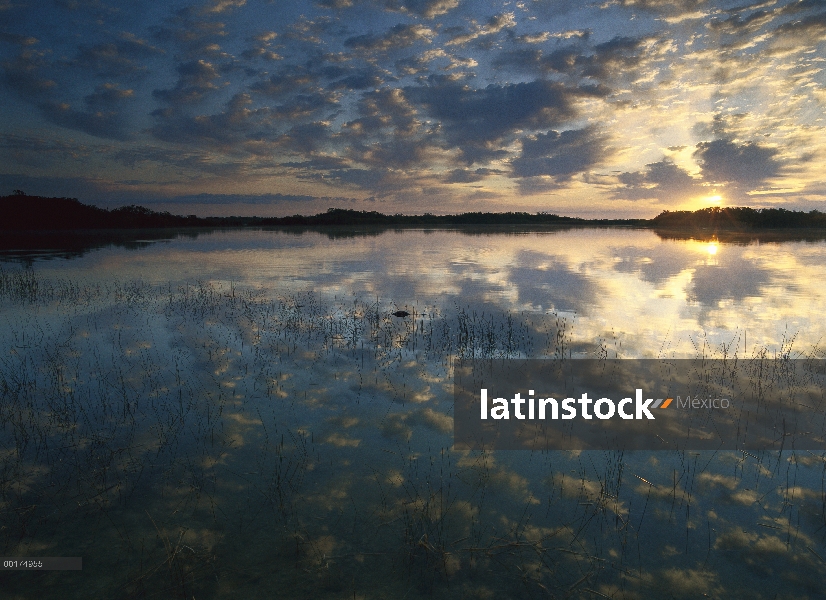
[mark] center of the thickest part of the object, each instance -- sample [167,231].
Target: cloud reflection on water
[331,453]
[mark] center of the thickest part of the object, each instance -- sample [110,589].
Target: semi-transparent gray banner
[757,404]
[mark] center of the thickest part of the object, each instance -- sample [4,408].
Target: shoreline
[35,214]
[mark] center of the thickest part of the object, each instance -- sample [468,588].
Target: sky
[613,108]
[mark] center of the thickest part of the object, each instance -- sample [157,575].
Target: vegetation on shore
[36,213]
[739,217]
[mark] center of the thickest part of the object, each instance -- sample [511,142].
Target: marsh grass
[209,441]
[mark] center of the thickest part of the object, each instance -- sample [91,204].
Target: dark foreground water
[240,415]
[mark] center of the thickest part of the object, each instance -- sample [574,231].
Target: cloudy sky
[606,108]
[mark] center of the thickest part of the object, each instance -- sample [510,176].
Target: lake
[239,413]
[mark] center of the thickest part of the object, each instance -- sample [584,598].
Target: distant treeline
[20,212]
[339,216]
[726,218]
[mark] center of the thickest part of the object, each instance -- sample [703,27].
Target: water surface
[239,414]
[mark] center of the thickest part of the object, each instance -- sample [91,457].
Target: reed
[207,437]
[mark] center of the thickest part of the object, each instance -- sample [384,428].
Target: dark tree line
[740,218]
[20,212]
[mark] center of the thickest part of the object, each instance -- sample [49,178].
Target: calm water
[239,414]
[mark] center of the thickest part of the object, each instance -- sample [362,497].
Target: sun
[709,201]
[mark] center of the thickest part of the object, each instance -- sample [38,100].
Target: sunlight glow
[702,202]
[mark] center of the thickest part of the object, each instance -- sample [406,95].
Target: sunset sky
[616,108]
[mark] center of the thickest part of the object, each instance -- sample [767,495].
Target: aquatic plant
[209,440]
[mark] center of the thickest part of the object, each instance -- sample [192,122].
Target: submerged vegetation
[208,441]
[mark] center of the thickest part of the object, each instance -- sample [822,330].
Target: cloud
[669,7]
[107,95]
[423,8]
[734,277]
[561,155]
[20,40]
[87,189]
[39,152]
[619,57]
[360,79]
[318,164]
[494,25]
[662,180]
[303,106]
[103,116]
[195,80]
[394,153]
[736,25]
[103,124]
[468,176]
[186,162]
[286,81]
[535,60]
[95,5]
[193,30]
[335,3]
[420,63]
[315,73]
[117,58]
[262,47]
[655,265]
[542,184]
[744,27]
[387,135]
[534,38]
[544,281]
[473,119]
[724,161]
[388,108]
[264,199]
[314,32]
[399,36]
[238,129]
[219,6]
[414,96]
[24,74]
[690,583]
[798,6]
[812,28]
[371,179]
[306,138]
